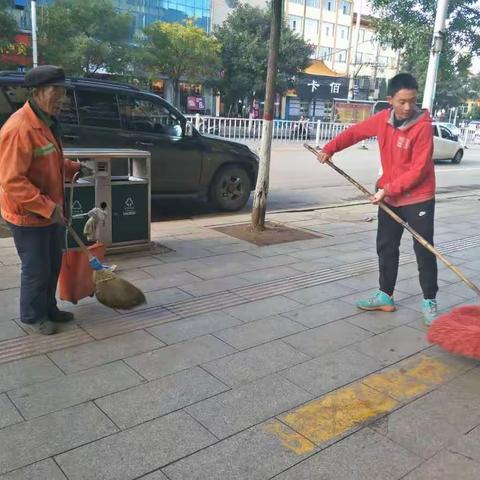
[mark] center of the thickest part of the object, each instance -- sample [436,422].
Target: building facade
[144,12]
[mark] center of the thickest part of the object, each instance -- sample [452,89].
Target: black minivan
[107,114]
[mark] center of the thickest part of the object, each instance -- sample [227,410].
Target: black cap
[44,76]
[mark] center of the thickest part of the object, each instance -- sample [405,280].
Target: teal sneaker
[378,301]
[429,310]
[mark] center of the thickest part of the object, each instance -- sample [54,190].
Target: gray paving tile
[268,274]
[248,312]
[379,322]
[10,329]
[213,286]
[255,363]
[259,331]
[63,392]
[361,282]
[159,397]
[44,470]
[35,440]
[158,475]
[468,445]
[172,279]
[88,355]
[412,286]
[187,328]
[246,405]
[27,371]
[322,313]
[320,293]
[446,465]
[330,371]
[141,449]
[364,455]
[178,357]
[427,425]
[255,454]
[391,346]
[8,413]
[445,301]
[327,338]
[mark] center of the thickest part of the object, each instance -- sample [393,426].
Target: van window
[97,109]
[144,115]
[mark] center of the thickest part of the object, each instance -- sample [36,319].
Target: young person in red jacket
[407,185]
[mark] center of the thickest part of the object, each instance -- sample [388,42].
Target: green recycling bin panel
[83,202]
[129,211]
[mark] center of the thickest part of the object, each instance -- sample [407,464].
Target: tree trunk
[261,191]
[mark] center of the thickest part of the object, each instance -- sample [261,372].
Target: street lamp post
[33,11]
[437,43]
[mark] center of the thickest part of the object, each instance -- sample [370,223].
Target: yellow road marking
[335,413]
[289,439]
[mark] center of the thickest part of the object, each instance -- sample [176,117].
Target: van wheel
[458,157]
[230,188]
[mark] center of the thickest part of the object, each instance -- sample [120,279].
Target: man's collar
[48,120]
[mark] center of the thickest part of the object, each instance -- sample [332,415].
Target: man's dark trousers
[40,251]
[420,217]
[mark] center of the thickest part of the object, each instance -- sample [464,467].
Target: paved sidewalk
[247,363]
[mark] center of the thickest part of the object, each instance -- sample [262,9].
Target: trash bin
[124,199]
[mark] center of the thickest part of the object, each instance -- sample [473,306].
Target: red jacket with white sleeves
[406,155]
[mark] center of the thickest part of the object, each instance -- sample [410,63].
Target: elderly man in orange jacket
[32,173]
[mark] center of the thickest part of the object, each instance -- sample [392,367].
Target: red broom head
[458,331]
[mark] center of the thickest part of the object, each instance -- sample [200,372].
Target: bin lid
[105,153]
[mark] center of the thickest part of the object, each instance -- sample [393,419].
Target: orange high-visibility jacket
[32,170]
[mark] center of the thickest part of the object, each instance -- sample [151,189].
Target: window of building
[328,29]
[361,35]
[311,30]
[310,3]
[342,32]
[295,23]
[382,61]
[325,53]
[329,5]
[341,57]
[346,7]
[98,109]
[359,58]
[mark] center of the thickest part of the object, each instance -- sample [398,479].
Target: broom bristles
[458,331]
[116,292]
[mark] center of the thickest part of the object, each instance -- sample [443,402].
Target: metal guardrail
[250,130]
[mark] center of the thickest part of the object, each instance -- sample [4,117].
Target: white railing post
[317,134]
[197,121]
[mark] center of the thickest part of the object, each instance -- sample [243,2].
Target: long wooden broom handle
[402,222]
[82,246]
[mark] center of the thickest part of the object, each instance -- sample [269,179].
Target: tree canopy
[8,27]
[180,51]
[85,36]
[244,38]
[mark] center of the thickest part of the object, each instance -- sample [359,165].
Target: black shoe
[47,327]
[61,316]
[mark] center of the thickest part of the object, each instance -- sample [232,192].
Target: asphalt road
[298,181]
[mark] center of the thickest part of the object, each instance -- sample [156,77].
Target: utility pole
[375,69]
[437,43]
[261,191]
[355,49]
[33,11]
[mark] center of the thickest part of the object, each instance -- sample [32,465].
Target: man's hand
[378,197]
[57,215]
[85,171]
[323,157]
